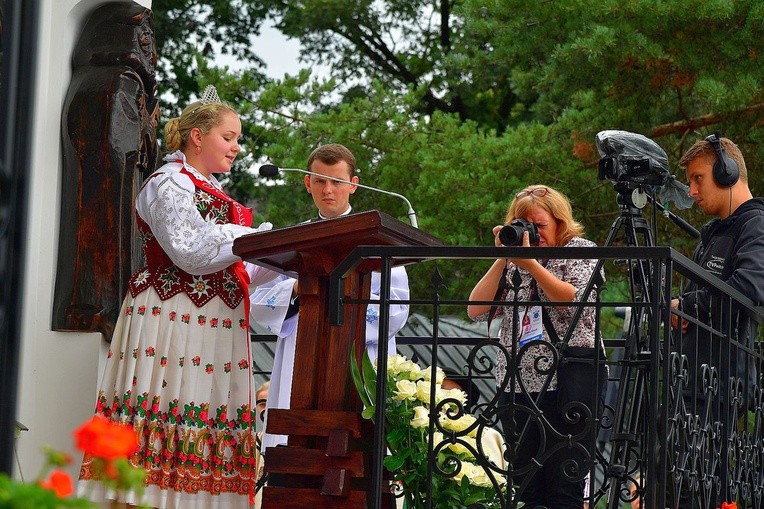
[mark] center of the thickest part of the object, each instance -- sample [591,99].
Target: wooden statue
[109,143]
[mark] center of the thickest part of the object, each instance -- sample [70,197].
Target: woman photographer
[556,482]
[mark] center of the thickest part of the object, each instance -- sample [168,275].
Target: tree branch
[682,126]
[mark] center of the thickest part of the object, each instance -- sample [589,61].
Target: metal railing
[680,415]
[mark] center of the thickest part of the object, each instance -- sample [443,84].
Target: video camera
[634,163]
[631,158]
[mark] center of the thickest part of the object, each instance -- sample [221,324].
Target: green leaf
[393,462]
[355,374]
[396,435]
[369,376]
[368,412]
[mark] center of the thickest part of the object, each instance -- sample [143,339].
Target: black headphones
[726,171]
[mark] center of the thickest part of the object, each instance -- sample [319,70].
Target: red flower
[142,310]
[105,439]
[60,483]
[213,322]
[156,310]
[202,319]
[173,314]
[730,505]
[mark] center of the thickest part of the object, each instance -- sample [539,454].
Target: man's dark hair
[333,153]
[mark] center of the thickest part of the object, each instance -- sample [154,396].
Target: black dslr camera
[512,234]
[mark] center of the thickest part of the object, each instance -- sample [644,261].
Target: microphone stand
[270,167]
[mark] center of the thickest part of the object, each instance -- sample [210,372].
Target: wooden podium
[326,462]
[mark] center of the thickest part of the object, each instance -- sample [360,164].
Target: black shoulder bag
[580,377]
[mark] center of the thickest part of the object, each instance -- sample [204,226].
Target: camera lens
[511,235]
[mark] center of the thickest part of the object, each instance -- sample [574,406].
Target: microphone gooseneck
[271,170]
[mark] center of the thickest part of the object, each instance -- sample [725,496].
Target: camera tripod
[628,414]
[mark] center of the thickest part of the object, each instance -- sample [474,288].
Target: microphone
[271,170]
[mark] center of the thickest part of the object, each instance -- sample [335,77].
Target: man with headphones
[732,249]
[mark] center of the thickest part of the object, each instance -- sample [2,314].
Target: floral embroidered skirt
[181,376]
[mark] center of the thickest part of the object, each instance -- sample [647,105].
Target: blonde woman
[179,365]
[556,483]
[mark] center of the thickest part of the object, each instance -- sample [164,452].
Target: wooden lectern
[326,462]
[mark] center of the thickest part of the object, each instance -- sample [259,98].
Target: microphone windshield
[269,170]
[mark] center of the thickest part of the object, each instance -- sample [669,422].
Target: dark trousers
[548,486]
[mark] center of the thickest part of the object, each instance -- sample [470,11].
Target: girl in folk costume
[179,365]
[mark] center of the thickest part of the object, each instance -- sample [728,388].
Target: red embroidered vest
[230,284]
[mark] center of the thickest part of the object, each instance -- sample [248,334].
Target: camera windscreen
[631,157]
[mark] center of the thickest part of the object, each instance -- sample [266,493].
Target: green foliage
[457,105]
[17,495]
[188,29]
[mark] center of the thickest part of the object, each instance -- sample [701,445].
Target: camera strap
[544,315]
[552,333]
[501,294]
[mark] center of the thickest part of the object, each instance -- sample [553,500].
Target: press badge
[532,325]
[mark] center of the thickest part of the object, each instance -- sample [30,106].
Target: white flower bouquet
[457,481]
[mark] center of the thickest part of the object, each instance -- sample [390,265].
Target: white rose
[440,375]
[460,448]
[478,476]
[413,369]
[421,417]
[423,391]
[460,424]
[394,363]
[464,469]
[457,394]
[404,390]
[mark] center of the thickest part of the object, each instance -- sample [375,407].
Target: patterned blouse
[535,358]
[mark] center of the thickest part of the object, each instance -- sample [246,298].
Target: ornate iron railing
[680,416]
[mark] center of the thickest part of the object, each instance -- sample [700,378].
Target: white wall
[58,371]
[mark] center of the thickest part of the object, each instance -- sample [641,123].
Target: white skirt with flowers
[181,376]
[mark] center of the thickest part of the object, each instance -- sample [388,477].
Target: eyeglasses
[539,191]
